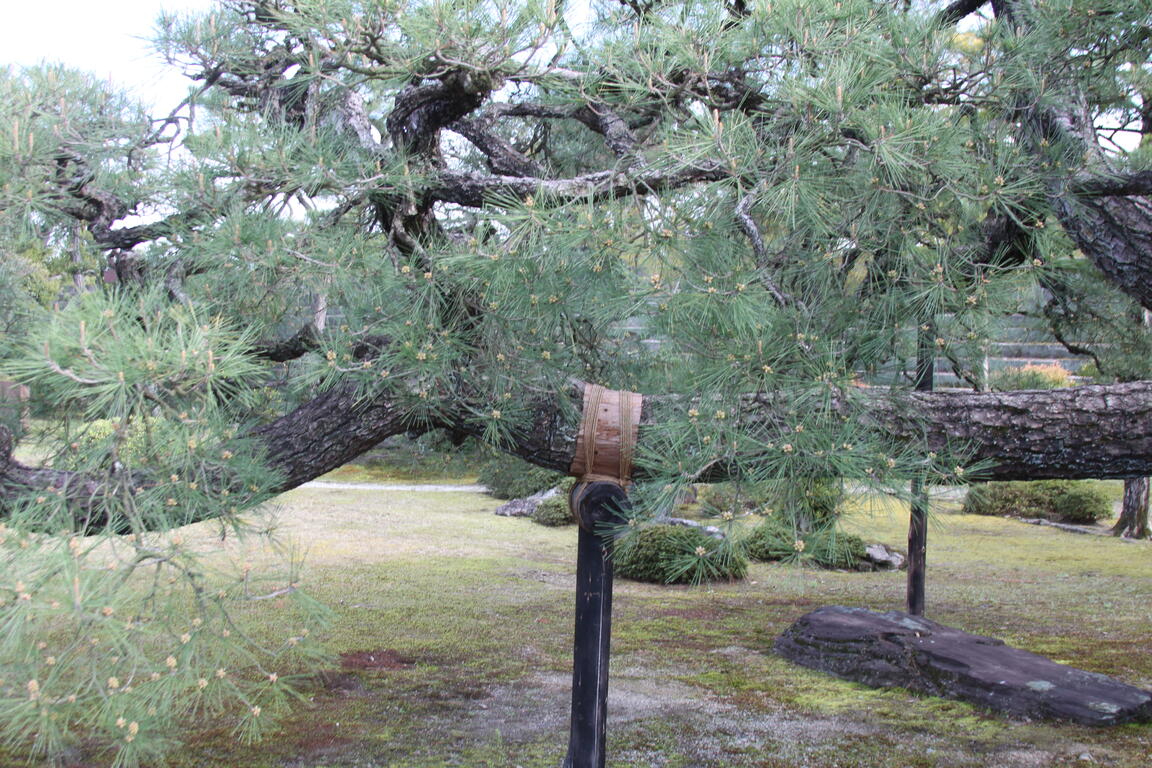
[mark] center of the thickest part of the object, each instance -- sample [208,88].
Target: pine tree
[376,217]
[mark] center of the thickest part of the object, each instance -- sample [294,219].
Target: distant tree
[378,217]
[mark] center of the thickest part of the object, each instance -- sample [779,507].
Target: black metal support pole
[597,504]
[917,548]
[918,522]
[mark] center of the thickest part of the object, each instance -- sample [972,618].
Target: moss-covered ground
[451,635]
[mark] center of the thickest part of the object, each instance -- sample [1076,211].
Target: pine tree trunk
[1133,522]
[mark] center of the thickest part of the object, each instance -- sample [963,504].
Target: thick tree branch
[1116,233]
[328,432]
[299,344]
[957,10]
[1080,432]
[503,158]
[127,238]
[1136,183]
[617,135]
[422,109]
[475,190]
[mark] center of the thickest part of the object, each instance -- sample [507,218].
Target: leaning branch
[475,190]
[1080,432]
[1118,185]
[957,10]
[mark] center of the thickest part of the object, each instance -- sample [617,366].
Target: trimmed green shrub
[1069,501]
[1082,502]
[813,502]
[508,477]
[775,539]
[553,511]
[816,502]
[676,554]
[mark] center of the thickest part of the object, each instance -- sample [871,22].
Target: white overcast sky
[106,37]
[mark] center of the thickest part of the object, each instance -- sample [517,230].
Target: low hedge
[553,511]
[508,477]
[774,539]
[1067,501]
[676,554]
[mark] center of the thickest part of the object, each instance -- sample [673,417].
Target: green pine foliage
[115,627]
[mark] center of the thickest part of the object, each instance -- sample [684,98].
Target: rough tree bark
[1133,522]
[1081,432]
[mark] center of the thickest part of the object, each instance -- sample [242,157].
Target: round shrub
[775,539]
[1084,502]
[553,511]
[1070,501]
[676,554]
[1000,500]
[508,477]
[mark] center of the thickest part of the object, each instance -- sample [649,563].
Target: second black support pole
[597,506]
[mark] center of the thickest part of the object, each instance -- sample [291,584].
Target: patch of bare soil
[711,731]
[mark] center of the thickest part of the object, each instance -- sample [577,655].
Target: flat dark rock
[895,649]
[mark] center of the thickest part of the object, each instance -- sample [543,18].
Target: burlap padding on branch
[606,442]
